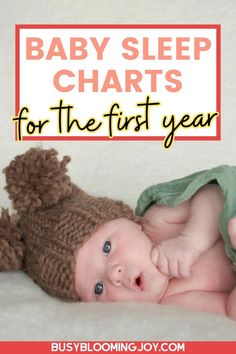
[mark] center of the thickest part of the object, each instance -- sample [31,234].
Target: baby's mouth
[139,281]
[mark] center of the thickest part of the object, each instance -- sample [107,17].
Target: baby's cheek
[116,295]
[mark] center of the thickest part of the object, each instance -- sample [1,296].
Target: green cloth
[177,191]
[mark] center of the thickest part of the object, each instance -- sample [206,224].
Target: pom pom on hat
[11,247]
[37,179]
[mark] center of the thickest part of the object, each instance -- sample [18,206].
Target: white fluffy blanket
[27,313]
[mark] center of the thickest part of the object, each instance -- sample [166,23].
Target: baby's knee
[231,304]
[232,231]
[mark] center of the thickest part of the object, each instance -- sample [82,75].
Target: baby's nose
[115,274]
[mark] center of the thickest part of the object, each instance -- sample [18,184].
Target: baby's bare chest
[211,273]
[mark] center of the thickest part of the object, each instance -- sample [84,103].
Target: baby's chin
[161,282]
[154,297]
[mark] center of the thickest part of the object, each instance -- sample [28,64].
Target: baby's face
[115,265]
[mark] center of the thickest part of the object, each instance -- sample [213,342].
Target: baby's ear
[11,246]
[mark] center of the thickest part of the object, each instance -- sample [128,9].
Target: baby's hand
[175,257]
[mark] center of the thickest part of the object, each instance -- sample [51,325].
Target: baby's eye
[107,247]
[98,288]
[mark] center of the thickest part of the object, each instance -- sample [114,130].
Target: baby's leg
[232,231]
[231,304]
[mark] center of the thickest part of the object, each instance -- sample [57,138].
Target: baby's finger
[154,255]
[174,268]
[184,269]
[162,263]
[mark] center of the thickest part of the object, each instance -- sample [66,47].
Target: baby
[79,247]
[176,257]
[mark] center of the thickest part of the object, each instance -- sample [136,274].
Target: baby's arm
[199,232]
[203,224]
[163,222]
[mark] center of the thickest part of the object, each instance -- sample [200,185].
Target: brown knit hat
[55,218]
